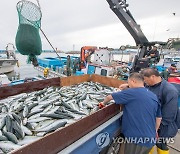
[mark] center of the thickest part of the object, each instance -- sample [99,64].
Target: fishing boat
[8,60]
[4,81]
[92,60]
[7,65]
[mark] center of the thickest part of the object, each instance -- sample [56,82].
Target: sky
[71,24]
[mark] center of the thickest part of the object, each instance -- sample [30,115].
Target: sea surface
[27,70]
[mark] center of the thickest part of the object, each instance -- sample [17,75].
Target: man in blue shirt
[168,97]
[141,115]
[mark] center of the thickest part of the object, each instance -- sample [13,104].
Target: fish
[10,136]
[27,117]
[16,118]
[28,140]
[32,106]
[26,130]
[18,130]
[44,124]
[25,111]
[38,119]
[30,126]
[2,122]
[8,122]
[53,126]
[3,138]
[4,109]
[34,113]
[7,146]
[55,116]
[65,114]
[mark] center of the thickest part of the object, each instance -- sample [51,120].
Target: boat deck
[51,73]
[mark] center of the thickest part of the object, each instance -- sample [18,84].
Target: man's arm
[158,122]
[106,100]
[152,54]
[124,86]
[169,108]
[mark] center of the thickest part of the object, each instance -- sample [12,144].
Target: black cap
[173,65]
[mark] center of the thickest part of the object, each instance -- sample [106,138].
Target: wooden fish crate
[58,140]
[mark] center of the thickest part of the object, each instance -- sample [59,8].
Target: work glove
[101,105]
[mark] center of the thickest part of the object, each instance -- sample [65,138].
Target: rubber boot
[159,151]
[152,151]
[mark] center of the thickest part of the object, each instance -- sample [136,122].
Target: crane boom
[119,7]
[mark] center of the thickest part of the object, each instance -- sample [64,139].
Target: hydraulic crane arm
[119,7]
[86,51]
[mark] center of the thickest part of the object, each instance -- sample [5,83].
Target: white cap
[156,45]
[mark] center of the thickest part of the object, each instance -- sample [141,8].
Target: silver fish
[53,125]
[11,137]
[7,146]
[28,140]
[25,111]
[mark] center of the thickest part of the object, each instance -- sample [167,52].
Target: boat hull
[7,65]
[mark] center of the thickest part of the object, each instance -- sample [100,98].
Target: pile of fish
[27,117]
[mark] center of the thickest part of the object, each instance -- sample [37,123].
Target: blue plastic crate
[48,61]
[160,68]
[91,69]
[79,73]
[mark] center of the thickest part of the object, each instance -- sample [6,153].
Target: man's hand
[157,135]
[123,86]
[101,105]
[106,100]
[152,55]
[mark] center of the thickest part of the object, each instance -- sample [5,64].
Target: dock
[175,147]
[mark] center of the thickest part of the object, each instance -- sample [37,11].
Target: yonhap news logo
[103,140]
[142,140]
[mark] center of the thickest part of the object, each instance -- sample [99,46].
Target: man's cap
[173,65]
[156,45]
